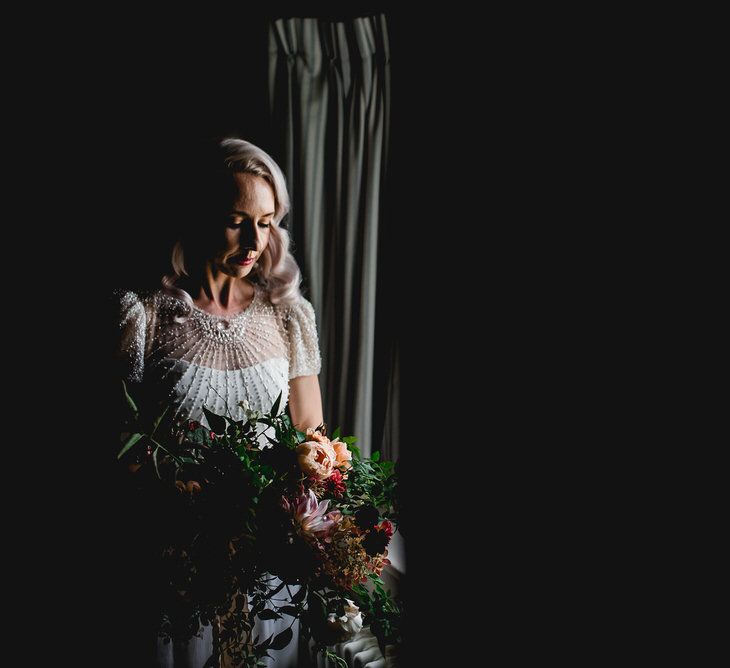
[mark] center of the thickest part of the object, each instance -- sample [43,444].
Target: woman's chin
[236,270]
[243,271]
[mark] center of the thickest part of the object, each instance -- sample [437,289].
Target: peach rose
[313,435]
[317,459]
[342,454]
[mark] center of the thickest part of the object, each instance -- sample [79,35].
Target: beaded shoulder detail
[172,345]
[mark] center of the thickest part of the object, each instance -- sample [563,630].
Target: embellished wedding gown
[216,362]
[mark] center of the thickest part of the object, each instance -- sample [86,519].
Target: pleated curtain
[329,94]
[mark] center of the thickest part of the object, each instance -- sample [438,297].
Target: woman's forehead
[252,189]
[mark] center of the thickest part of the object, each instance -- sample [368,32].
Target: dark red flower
[335,484]
[375,542]
[212,435]
[387,526]
[366,517]
[193,425]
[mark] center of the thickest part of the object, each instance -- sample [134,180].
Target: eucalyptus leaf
[317,602]
[299,596]
[158,419]
[282,639]
[275,407]
[217,422]
[278,588]
[130,442]
[232,426]
[154,461]
[291,610]
[130,401]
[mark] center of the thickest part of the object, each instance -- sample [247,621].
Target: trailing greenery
[292,531]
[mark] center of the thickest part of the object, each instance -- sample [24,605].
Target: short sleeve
[132,321]
[304,356]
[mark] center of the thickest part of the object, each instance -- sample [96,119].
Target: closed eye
[235,224]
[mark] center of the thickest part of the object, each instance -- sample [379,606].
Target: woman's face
[247,225]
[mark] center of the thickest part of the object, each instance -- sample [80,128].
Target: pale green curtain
[329,87]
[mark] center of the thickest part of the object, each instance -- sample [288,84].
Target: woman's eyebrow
[244,213]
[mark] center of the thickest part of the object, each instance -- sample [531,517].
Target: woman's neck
[217,291]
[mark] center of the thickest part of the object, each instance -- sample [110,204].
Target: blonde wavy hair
[210,185]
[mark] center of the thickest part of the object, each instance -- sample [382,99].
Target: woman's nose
[248,238]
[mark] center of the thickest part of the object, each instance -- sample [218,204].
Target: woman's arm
[305,402]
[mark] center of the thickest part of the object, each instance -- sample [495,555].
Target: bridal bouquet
[298,529]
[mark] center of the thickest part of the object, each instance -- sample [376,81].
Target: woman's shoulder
[141,302]
[287,307]
[301,307]
[126,302]
[128,296]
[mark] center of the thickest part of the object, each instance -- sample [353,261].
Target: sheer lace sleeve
[304,357]
[132,319]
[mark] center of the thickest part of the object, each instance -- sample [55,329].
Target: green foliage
[371,482]
[129,401]
[335,660]
[222,544]
[129,443]
[381,612]
[217,422]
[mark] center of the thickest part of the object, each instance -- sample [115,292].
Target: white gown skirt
[195,652]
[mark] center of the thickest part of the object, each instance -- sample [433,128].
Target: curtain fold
[329,89]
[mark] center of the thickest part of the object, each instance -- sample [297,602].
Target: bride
[229,327]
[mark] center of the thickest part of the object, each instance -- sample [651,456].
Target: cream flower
[350,623]
[317,459]
[342,454]
[251,415]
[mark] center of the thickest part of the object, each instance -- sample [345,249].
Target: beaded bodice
[195,359]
